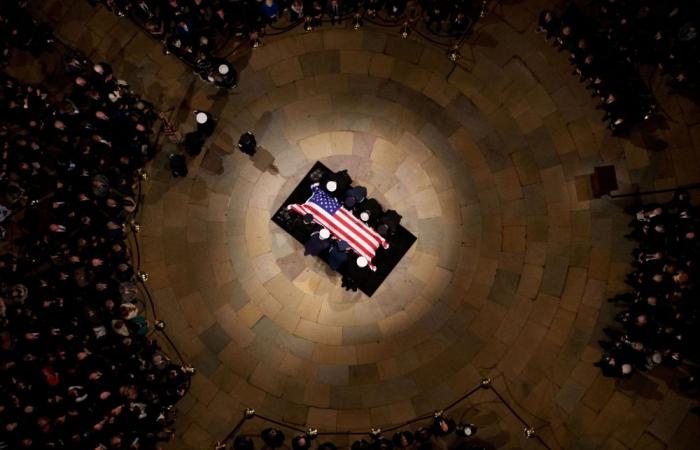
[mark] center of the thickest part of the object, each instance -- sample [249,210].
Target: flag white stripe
[341,230]
[372,237]
[308,208]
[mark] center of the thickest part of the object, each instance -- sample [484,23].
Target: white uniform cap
[324,234]
[362,261]
[201,118]
[364,215]
[223,69]
[331,186]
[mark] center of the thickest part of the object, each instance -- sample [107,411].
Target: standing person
[247,143]
[223,75]
[205,123]
[170,129]
[334,11]
[296,11]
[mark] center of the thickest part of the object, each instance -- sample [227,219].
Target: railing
[142,277]
[312,433]
[657,191]
[407,22]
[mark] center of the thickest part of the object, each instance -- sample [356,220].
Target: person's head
[423,434]
[681,277]
[360,445]
[327,446]
[403,439]
[301,442]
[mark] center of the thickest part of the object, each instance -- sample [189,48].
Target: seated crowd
[78,369]
[659,323]
[608,44]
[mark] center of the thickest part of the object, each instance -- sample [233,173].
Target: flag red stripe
[367,228]
[339,230]
[374,238]
[361,234]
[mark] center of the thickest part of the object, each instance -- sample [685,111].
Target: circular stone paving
[488,164]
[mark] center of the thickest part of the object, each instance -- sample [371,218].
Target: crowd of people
[424,438]
[602,53]
[78,368]
[20,30]
[191,29]
[659,321]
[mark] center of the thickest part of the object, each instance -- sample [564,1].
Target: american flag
[329,213]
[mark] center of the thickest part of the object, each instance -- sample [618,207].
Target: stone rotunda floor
[488,164]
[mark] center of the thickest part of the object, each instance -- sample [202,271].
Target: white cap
[223,69]
[324,234]
[364,215]
[331,186]
[362,261]
[201,117]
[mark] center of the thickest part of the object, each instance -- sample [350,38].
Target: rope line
[485,384]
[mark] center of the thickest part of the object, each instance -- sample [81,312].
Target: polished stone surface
[512,263]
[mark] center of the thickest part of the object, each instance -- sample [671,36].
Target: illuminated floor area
[507,279]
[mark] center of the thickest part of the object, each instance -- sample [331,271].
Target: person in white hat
[205,123]
[223,74]
[201,117]
[317,243]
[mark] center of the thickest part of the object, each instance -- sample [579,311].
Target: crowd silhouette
[659,321]
[193,29]
[79,368]
[609,43]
